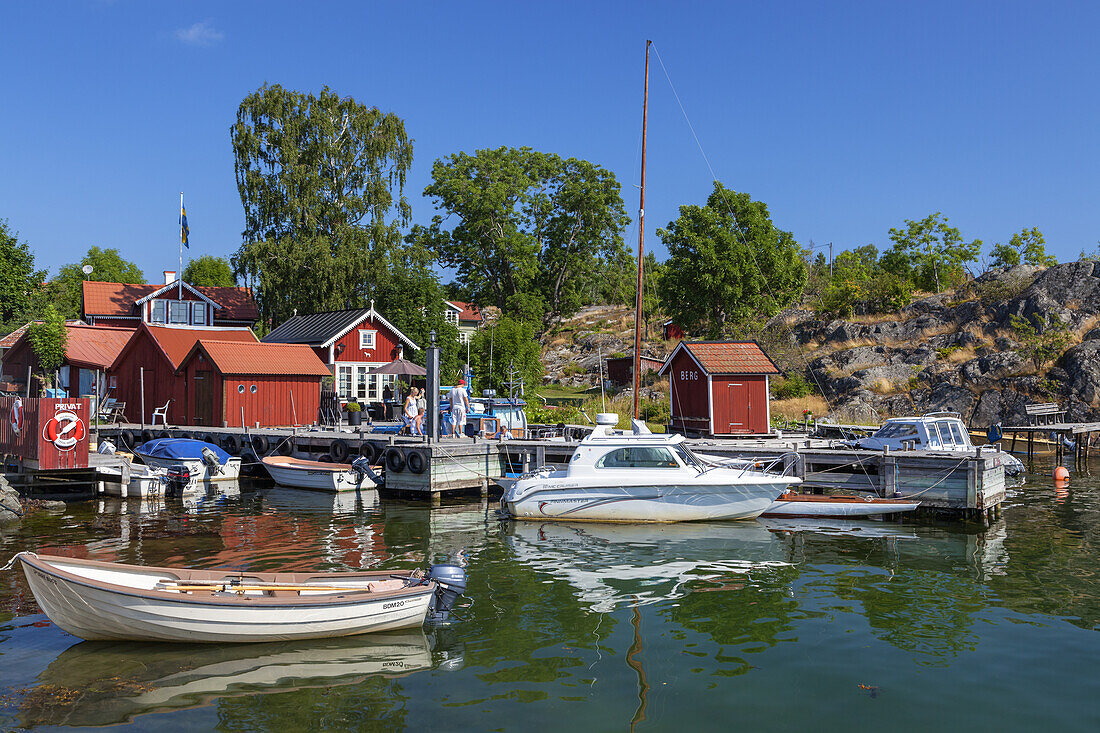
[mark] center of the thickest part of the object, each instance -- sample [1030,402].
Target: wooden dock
[970,484]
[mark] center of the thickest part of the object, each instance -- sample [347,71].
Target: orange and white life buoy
[15,416]
[65,429]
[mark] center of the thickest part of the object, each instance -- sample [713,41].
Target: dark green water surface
[746,625]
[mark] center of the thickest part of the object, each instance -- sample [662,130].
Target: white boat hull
[145,482]
[121,612]
[551,499]
[200,472]
[860,508]
[315,476]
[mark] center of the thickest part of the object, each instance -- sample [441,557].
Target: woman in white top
[411,411]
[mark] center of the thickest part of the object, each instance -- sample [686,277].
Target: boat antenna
[641,242]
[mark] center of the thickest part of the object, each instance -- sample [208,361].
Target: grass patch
[792,409]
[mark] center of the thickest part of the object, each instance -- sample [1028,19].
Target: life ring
[416,461]
[394,460]
[261,444]
[339,450]
[285,447]
[230,444]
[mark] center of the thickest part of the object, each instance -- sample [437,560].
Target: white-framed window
[179,311]
[366,339]
[361,382]
[160,311]
[463,337]
[343,381]
[198,313]
[451,316]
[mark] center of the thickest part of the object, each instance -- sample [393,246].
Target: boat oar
[243,588]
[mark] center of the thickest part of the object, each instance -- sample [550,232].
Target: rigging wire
[736,225]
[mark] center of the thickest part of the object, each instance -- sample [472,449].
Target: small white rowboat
[101,600]
[818,505]
[302,474]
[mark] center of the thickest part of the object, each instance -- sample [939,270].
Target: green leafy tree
[18,278]
[1042,339]
[532,231]
[850,283]
[107,266]
[209,270]
[1027,245]
[728,263]
[322,180]
[47,339]
[931,253]
[505,345]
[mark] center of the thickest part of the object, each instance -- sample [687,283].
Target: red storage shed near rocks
[275,385]
[719,388]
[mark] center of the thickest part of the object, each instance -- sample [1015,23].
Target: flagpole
[179,275]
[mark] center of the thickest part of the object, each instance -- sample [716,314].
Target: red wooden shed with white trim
[719,388]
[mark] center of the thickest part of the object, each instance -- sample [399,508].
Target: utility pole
[830,260]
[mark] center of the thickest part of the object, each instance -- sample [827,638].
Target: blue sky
[845,118]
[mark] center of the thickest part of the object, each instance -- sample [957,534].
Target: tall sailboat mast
[641,242]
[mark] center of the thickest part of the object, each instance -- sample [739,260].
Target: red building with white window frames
[719,388]
[351,343]
[173,303]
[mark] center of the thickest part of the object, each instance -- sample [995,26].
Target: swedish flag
[183,227]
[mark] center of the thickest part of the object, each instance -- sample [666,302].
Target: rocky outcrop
[11,510]
[956,351]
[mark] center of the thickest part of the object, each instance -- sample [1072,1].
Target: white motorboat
[302,474]
[137,481]
[204,462]
[617,476]
[109,601]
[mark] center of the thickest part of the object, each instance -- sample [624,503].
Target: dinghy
[204,462]
[302,474]
[109,601]
[817,505]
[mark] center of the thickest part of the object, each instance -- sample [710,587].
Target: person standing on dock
[460,403]
[421,410]
[410,412]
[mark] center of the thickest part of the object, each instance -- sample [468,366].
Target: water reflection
[320,502]
[103,683]
[613,564]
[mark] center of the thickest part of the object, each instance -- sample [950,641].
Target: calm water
[583,627]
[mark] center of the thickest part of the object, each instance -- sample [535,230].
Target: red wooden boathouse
[620,369]
[719,388]
[228,382]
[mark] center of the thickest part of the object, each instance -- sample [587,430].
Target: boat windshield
[689,458]
[640,457]
[897,430]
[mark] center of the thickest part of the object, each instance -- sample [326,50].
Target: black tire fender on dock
[394,460]
[338,449]
[230,444]
[146,435]
[261,445]
[209,438]
[416,461]
[126,439]
[325,458]
[285,447]
[370,451]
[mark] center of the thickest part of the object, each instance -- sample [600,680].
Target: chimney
[169,277]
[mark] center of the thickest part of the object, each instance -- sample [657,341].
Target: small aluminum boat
[144,481]
[817,505]
[109,601]
[302,474]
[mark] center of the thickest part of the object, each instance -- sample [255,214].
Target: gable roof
[235,358]
[9,341]
[324,329]
[175,342]
[466,311]
[118,300]
[91,347]
[725,357]
[168,286]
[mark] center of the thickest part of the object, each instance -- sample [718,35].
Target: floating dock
[970,484]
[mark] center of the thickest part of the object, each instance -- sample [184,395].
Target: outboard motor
[177,479]
[451,581]
[210,458]
[106,448]
[362,467]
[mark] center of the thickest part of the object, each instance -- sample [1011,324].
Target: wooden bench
[1044,413]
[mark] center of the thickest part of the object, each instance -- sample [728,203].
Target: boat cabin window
[647,457]
[951,432]
[899,430]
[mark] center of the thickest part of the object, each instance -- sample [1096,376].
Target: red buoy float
[1061,473]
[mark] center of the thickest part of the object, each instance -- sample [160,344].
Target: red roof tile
[263,358]
[95,347]
[117,299]
[9,341]
[469,311]
[731,357]
[177,342]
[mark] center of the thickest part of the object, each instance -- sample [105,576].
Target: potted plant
[355,412]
